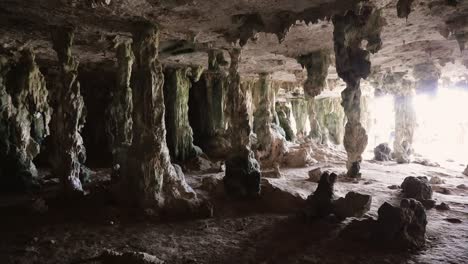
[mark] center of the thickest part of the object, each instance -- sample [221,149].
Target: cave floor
[74,231]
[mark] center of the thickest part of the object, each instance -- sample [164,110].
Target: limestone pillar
[352,64]
[25,116]
[68,118]
[119,114]
[405,122]
[177,84]
[149,180]
[242,178]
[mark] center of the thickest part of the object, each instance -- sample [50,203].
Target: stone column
[284,112]
[299,111]
[68,117]
[405,122]
[119,123]
[149,180]
[242,178]
[315,130]
[352,64]
[262,115]
[25,116]
[178,82]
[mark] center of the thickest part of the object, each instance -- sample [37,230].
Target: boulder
[383,152]
[279,197]
[314,175]
[417,188]
[442,207]
[352,205]
[403,227]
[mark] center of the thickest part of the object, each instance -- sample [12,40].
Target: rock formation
[242,178]
[69,153]
[25,116]
[177,84]
[353,64]
[383,152]
[299,110]
[149,180]
[119,114]
[466,171]
[405,122]
[284,112]
[316,64]
[417,188]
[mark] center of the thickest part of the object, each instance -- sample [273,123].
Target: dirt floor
[263,231]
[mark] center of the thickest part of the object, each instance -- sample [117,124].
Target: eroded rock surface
[352,205]
[383,152]
[417,188]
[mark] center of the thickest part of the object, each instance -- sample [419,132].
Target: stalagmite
[25,116]
[352,64]
[242,177]
[120,122]
[405,122]
[68,118]
[148,177]
[177,84]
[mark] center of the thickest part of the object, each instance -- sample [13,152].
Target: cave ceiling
[427,44]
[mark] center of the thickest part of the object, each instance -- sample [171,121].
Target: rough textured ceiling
[430,38]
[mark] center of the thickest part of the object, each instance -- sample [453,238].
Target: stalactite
[120,122]
[331,119]
[316,64]
[352,64]
[315,130]
[405,122]
[177,84]
[68,118]
[242,177]
[25,114]
[148,177]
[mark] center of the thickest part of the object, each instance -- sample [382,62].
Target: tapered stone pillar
[242,178]
[68,118]
[315,130]
[149,180]
[24,123]
[119,114]
[405,122]
[352,64]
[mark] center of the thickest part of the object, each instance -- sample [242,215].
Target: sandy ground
[239,232]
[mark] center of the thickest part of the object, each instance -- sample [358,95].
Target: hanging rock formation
[206,104]
[316,64]
[242,178]
[25,116]
[177,84]
[405,123]
[149,180]
[119,114]
[352,64]
[68,119]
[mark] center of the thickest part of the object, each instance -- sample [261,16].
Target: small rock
[383,152]
[442,207]
[314,175]
[393,187]
[453,220]
[352,205]
[111,222]
[52,242]
[443,190]
[436,180]
[462,186]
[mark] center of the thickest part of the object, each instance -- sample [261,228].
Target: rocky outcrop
[68,153]
[353,64]
[149,180]
[242,178]
[417,188]
[316,63]
[177,84]
[405,123]
[382,152]
[119,113]
[25,116]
